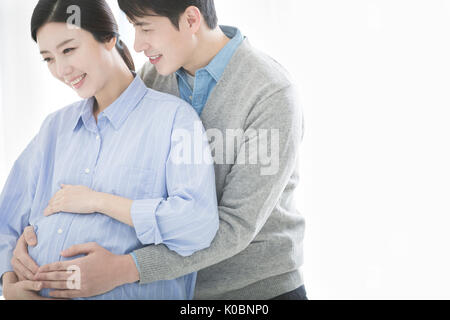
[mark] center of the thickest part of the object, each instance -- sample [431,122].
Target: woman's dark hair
[171,9]
[95,16]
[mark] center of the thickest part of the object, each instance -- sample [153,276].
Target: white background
[374,79]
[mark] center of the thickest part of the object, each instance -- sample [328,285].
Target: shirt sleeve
[15,203]
[188,219]
[133,255]
[18,194]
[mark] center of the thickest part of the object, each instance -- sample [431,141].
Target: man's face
[167,48]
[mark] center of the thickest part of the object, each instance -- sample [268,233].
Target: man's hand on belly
[98,272]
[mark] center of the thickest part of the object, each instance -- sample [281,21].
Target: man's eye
[48,60]
[146,31]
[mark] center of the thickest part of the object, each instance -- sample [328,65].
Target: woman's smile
[78,82]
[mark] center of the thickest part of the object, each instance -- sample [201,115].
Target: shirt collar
[218,65]
[119,110]
[85,114]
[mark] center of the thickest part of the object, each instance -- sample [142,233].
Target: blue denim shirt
[207,78]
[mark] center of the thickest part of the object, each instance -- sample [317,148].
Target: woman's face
[74,57]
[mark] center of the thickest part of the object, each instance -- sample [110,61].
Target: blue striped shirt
[141,148]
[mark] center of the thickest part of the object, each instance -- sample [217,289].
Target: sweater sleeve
[250,194]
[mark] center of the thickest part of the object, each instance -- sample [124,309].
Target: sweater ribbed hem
[263,290]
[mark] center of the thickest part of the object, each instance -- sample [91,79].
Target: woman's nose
[63,69]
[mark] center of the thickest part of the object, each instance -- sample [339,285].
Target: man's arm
[248,199]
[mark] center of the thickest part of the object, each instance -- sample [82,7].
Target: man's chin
[164,71]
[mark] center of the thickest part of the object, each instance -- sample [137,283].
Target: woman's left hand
[72,199]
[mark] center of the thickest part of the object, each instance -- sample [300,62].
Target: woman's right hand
[24,266]
[13,289]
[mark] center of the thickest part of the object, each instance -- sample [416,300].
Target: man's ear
[192,19]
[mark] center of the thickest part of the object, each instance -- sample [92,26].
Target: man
[249,108]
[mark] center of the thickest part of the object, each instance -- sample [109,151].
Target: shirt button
[60,231]
[190,97]
[87,171]
[97,137]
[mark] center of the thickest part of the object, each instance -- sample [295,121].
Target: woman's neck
[120,80]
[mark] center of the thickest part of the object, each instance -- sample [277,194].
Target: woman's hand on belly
[73,199]
[82,200]
[13,289]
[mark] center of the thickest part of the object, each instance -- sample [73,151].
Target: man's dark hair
[171,9]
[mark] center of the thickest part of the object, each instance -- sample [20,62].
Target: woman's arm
[187,220]
[15,204]
[116,207]
[18,195]
[82,200]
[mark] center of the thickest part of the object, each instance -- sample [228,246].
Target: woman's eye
[48,60]
[146,30]
[68,50]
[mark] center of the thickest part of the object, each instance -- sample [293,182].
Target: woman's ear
[110,44]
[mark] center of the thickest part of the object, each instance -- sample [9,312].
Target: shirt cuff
[143,215]
[133,255]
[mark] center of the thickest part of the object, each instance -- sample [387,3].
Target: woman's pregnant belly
[62,231]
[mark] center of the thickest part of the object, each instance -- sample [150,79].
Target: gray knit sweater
[258,250]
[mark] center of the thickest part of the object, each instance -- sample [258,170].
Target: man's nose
[139,44]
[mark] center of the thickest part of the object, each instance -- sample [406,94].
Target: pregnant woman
[119,169]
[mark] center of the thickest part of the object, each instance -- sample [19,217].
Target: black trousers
[297,294]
